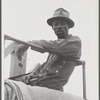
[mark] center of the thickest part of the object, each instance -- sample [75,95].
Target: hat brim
[69,21]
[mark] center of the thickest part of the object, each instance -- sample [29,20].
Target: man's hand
[25,79]
[21,49]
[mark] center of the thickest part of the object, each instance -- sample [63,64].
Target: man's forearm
[36,46]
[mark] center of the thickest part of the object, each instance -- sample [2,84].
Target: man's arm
[65,47]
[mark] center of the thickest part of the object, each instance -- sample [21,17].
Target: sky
[26,20]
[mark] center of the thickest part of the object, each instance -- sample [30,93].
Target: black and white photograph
[50,50]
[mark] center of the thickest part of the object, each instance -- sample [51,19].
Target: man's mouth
[59,31]
[60,34]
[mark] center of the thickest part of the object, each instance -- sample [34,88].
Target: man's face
[60,28]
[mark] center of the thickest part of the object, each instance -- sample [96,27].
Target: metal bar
[15,68]
[10,49]
[84,80]
[35,47]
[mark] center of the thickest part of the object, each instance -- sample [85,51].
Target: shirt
[61,60]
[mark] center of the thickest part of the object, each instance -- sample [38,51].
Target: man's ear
[52,26]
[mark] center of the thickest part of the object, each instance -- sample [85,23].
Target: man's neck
[65,37]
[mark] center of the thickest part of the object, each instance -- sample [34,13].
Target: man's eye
[63,23]
[55,23]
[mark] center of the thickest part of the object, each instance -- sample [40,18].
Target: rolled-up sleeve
[65,47]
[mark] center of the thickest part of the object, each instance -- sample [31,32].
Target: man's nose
[59,26]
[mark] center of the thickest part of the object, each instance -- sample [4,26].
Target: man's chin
[60,36]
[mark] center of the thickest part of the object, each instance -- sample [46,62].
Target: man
[63,52]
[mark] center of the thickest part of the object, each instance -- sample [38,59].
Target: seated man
[63,53]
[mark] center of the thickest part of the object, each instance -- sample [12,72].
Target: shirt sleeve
[65,47]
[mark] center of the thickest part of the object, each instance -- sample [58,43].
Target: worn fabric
[16,90]
[60,63]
